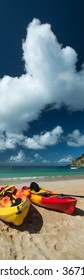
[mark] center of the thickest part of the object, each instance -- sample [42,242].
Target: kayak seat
[17,202]
[34,186]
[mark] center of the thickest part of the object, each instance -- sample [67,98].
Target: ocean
[40,172]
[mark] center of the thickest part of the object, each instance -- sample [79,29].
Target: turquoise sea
[24,172]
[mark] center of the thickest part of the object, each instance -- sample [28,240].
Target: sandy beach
[45,234]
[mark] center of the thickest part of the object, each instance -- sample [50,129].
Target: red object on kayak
[51,200]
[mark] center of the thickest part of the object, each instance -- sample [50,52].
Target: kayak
[49,199]
[14,205]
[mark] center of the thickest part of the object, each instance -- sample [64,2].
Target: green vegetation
[78,161]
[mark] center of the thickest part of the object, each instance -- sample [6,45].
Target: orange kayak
[49,199]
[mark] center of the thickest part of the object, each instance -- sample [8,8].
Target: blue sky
[41,82]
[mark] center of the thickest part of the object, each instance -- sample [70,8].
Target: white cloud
[75,139]
[10,140]
[50,77]
[66,159]
[53,66]
[45,161]
[36,156]
[20,157]
[41,141]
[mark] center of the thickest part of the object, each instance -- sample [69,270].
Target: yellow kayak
[14,205]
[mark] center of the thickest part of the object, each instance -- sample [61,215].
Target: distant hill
[78,161]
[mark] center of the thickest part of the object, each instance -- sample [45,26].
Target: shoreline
[27,180]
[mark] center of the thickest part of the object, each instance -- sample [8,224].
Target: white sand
[45,234]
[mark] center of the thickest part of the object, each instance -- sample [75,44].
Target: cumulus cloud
[67,159]
[75,139]
[49,138]
[10,140]
[41,141]
[37,157]
[20,157]
[50,77]
[45,161]
[53,66]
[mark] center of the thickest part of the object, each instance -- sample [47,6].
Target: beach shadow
[78,212]
[32,223]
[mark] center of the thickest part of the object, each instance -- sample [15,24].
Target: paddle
[73,195]
[60,195]
[34,186]
[48,194]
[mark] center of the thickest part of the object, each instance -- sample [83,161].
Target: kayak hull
[51,200]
